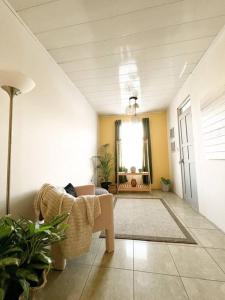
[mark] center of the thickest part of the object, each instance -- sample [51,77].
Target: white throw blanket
[83,210]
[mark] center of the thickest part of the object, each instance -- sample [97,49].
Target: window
[132,144]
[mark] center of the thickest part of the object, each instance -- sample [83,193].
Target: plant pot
[33,290]
[165,187]
[105,185]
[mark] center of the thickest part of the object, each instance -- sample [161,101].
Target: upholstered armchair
[103,222]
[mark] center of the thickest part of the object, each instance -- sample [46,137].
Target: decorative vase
[133,169]
[133,182]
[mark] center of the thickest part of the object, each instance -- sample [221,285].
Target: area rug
[148,219]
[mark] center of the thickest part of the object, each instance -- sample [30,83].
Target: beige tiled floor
[146,270]
[153,257]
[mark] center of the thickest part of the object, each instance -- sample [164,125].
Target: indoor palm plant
[105,159]
[24,254]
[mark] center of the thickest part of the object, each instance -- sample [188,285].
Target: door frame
[179,112]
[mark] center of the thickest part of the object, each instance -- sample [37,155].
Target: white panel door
[187,158]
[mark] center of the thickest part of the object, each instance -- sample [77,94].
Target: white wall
[54,127]
[207,79]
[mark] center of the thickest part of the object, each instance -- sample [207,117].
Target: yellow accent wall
[159,140]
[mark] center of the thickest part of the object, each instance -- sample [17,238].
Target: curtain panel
[117,146]
[118,153]
[147,152]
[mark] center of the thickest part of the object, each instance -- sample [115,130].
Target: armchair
[103,222]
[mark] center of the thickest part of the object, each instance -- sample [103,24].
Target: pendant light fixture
[132,106]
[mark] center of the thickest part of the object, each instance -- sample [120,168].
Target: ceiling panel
[66,13]
[113,49]
[24,4]
[144,40]
[130,72]
[142,63]
[144,23]
[156,52]
[146,89]
[115,60]
[82,52]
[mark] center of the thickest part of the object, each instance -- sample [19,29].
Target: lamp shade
[16,80]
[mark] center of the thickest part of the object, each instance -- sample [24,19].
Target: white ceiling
[112,49]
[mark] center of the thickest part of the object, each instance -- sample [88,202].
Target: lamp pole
[11,92]
[13,83]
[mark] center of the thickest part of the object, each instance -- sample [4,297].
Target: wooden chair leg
[59,262]
[109,240]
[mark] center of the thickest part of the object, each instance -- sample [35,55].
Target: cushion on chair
[100,191]
[70,190]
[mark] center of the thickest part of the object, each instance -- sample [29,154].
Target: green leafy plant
[166,181]
[123,178]
[105,159]
[25,254]
[123,169]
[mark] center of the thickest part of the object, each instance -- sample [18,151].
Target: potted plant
[165,184]
[25,256]
[123,178]
[105,165]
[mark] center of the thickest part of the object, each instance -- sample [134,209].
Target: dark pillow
[70,190]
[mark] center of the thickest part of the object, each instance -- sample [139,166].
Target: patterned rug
[148,219]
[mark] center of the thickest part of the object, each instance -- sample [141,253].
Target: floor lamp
[14,83]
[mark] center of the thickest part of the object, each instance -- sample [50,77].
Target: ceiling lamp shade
[16,80]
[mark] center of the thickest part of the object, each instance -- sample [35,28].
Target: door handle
[181,161]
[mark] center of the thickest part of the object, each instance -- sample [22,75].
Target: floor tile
[195,262]
[148,286]
[198,222]
[89,257]
[219,256]
[198,289]
[65,285]
[210,238]
[122,257]
[185,212]
[106,283]
[153,257]
[178,203]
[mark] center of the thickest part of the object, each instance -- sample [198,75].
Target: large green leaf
[39,266]
[4,275]
[27,274]
[5,231]
[43,228]
[9,261]
[26,288]
[31,228]
[2,294]
[13,250]
[57,220]
[41,257]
